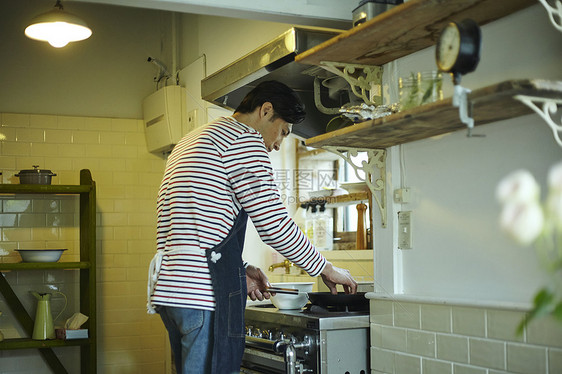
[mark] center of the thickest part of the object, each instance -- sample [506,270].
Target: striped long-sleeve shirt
[210,176]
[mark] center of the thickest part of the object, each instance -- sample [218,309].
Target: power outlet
[405,230]
[191,120]
[402,195]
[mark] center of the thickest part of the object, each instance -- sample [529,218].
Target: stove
[314,340]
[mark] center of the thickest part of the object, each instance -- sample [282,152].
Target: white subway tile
[16,149]
[469,321]
[393,338]
[406,314]
[502,324]
[15,120]
[376,335]
[436,318]
[462,369]
[436,367]
[526,359]
[554,360]
[85,137]
[421,343]
[43,121]
[58,136]
[452,348]
[26,134]
[545,331]
[487,353]
[382,360]
[405,364]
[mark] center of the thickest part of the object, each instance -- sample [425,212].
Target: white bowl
[320,193]
[285,301]
[355,187]
[40,255]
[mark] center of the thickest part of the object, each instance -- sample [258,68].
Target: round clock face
[448,47]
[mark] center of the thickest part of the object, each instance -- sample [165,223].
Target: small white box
[72,334]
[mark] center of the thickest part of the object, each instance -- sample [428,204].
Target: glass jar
[420,88]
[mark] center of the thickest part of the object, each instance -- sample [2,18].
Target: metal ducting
[276,61]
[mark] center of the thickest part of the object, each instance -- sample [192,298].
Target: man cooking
[216,177]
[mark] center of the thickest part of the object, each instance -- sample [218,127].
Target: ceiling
[326,13]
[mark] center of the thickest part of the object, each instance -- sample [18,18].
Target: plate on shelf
[355,187]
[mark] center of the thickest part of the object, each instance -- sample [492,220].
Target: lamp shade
[58,28]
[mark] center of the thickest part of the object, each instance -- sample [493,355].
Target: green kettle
[43,328]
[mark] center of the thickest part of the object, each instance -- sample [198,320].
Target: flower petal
[518,187]
[522,222]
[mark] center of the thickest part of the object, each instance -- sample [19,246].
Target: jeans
[191,338]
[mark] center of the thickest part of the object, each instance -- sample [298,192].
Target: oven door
[260,361]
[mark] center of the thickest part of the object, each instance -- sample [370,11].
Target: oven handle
[261,343]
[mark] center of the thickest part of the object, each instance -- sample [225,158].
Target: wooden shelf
[341,200]
[490,104]
[44,265]
[44,189]
[26,343]
[405,29]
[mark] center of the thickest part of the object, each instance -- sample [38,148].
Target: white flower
[555,177]
[522,221]
[518,187]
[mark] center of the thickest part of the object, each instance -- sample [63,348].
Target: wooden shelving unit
[406,29]
[87,267]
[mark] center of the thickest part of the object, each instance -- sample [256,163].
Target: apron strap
[153,271]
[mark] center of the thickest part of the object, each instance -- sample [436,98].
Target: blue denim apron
[229,284]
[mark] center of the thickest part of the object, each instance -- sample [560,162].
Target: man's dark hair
[286,103]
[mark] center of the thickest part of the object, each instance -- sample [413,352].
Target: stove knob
[266,334]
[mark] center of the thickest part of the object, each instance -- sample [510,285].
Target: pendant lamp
[58,27]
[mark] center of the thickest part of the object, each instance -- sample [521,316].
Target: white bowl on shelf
[40,255]
[355,187]
[320,193]
[292,302]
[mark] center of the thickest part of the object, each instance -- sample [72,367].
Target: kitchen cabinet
[86,191]
[408,28]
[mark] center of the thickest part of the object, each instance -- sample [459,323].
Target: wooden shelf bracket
[374,169]
[365,80]
[547,108]
[554,13]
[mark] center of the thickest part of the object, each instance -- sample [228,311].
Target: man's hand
[257,282]
[333,276]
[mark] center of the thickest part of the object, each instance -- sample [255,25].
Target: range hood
[276,61]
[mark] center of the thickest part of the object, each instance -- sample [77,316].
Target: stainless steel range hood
[276,61]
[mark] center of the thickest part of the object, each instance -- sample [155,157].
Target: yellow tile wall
[127,178]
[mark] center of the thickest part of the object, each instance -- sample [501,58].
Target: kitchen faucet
[285,264]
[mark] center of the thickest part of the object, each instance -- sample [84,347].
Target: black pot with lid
[35,176]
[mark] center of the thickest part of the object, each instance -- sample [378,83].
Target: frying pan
[326,299]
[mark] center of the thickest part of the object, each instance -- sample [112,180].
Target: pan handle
[288,291]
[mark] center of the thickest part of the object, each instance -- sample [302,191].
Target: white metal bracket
[554,12]
[365,80]
[460,100]
[374,169]
[547,110]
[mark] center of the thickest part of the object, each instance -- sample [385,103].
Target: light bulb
[58,28]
